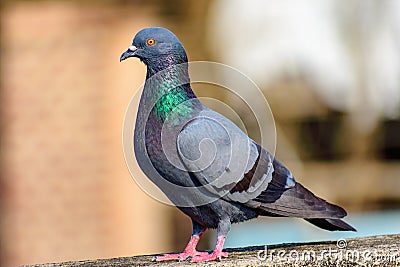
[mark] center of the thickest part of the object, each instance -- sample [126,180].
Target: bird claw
[181,256]
[215,256]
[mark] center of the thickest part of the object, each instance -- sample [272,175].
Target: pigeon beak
[131,52]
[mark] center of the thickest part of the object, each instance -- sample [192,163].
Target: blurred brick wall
[66,192]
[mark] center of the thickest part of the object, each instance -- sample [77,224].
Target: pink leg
[190,251]
[215,255]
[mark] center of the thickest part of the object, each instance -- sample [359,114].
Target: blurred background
[330,71]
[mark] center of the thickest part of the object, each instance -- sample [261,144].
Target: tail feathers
[300,202]
[331,224]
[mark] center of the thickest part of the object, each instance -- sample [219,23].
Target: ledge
[364,251]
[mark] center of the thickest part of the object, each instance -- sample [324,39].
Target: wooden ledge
[363,251]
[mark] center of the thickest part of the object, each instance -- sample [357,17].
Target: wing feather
[223,158]
[228,163]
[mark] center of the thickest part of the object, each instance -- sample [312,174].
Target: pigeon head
[156,47]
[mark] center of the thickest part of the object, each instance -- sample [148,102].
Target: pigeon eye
[150,42]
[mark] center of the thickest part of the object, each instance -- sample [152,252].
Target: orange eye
[150,42]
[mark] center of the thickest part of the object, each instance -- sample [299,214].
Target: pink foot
[215,256]
[181,256]
[217,253]
[190,251]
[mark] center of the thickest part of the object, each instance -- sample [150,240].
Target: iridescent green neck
[168,87]
[175,103]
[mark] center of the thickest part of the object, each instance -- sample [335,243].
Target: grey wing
[228,163]
[223,158]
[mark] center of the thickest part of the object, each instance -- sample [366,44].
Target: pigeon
[205,164]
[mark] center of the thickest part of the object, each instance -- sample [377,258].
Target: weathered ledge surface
[365,251]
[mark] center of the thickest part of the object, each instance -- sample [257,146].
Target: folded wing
[228,163]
